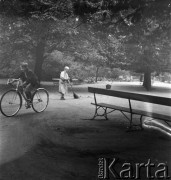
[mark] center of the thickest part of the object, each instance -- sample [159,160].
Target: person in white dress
[63,82]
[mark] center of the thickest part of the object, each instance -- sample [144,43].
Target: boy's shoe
[62,98]
[28,105]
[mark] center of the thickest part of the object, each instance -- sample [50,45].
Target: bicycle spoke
[10,103]
[40,100]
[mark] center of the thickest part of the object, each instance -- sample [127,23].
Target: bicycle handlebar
[14,80]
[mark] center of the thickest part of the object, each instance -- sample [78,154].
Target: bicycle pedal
[27,107]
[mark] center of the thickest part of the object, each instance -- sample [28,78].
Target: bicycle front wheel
[40,100]
[10,103]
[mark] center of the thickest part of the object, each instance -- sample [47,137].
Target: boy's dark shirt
[29,77]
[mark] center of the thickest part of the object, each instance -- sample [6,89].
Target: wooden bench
[125,110]
[56,81]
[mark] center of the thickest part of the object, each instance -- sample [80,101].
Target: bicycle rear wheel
[10,103]
[40,100]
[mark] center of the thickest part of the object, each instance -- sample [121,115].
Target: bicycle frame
[22,93]
[15,102]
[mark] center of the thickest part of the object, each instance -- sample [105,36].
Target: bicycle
[11,101]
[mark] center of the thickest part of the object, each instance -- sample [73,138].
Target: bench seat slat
[113,107]
[153,115]
[133,96]
[135,111]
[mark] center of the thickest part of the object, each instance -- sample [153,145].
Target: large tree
[34,27]
[143,25]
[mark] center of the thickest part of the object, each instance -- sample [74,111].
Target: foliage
[166,77]
[126,34]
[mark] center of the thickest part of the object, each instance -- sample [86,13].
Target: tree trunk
[39,58]
[97,70]
[147,79]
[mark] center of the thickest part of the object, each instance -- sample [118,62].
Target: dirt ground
[63,144]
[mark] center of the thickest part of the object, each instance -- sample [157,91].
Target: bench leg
[131,125]
[105,114]
[95,114]
[102,115]
[141,122]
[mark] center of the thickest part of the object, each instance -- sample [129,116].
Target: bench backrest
[138,97]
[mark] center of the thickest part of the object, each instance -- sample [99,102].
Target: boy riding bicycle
[29,81]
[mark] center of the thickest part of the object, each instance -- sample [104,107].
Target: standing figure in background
[63,82]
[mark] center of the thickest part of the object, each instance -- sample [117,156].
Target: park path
[20,133]
[78,142]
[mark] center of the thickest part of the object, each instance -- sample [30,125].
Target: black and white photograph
[85,89]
